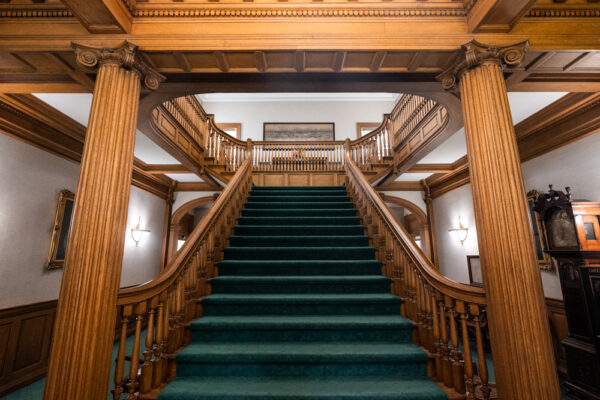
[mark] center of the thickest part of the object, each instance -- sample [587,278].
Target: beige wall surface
[575,165]
[345,114]
[30,182]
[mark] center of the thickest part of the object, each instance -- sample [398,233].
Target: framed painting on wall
[475,276]
[299,131]
[61,229]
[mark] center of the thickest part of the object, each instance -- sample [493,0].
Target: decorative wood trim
[565,121]
[298,178]
[177,217]
[401,186]
[431,168]
[25,336]
[196,187]
[166,169]
[27,118]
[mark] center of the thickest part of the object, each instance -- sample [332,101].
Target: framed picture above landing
[475,277]
[61,229]
[298,131]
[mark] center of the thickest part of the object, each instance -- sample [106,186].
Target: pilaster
[85,321]
[520,337]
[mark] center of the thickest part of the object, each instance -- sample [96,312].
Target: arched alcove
[179,217]
[417,224]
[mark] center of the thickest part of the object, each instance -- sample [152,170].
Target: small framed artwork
[61,229]
[298,131]
[475,276]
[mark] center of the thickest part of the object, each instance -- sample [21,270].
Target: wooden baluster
[444,350]
[468,361]
[435,296]
[458,372]
[157,361]
[146,373]
[166,337]
[126,312]
[481,361]
[140,310]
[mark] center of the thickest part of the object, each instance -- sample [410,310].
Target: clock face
[562,230]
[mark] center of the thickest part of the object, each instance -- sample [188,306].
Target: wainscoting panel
[298,178]
[559,330]
[25,337]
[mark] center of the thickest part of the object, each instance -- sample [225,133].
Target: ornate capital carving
[473,54]
[126,56]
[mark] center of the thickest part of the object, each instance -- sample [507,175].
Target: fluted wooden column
[85,321]
[520,336]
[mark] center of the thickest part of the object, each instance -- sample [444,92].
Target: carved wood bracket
[126,56]
[473,54]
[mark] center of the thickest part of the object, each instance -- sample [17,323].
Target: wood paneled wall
[559,331]
[298,178]
[25,336]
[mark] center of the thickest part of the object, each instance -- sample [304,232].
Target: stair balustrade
[449,317]
[167,304]
[372,148]
[224,150]
[298,156]
[407,114]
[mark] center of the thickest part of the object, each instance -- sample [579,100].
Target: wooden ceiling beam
[565,121]
[167,169]
[196,187]
[401,186]
[34,122]
[431,168]
[101,16]
[497,16]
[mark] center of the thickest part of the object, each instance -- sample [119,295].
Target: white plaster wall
[30,180]
[575,165]
[452,256]
[142,263]
[345,114]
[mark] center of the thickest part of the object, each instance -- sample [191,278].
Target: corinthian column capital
[473,54]
[126,56]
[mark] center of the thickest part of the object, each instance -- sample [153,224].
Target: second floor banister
[224,149]
[373,147]
[298,156]
[167,304]
[450,317]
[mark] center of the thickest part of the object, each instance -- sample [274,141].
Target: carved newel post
[84,330]
[519,332]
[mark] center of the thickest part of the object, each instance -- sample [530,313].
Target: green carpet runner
[300,311]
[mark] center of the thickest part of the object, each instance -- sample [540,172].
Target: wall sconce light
[461,232]
[137,233]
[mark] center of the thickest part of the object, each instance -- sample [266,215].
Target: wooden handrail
[431,274]
[447,314]
[382,126]
[168,303]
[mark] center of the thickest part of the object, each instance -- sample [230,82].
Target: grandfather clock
[573,235]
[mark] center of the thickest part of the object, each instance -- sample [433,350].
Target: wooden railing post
[86,314]
[518,323]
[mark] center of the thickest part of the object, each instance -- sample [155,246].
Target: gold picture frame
[540,235]
[61,230]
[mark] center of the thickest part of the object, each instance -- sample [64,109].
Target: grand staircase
[300,311]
